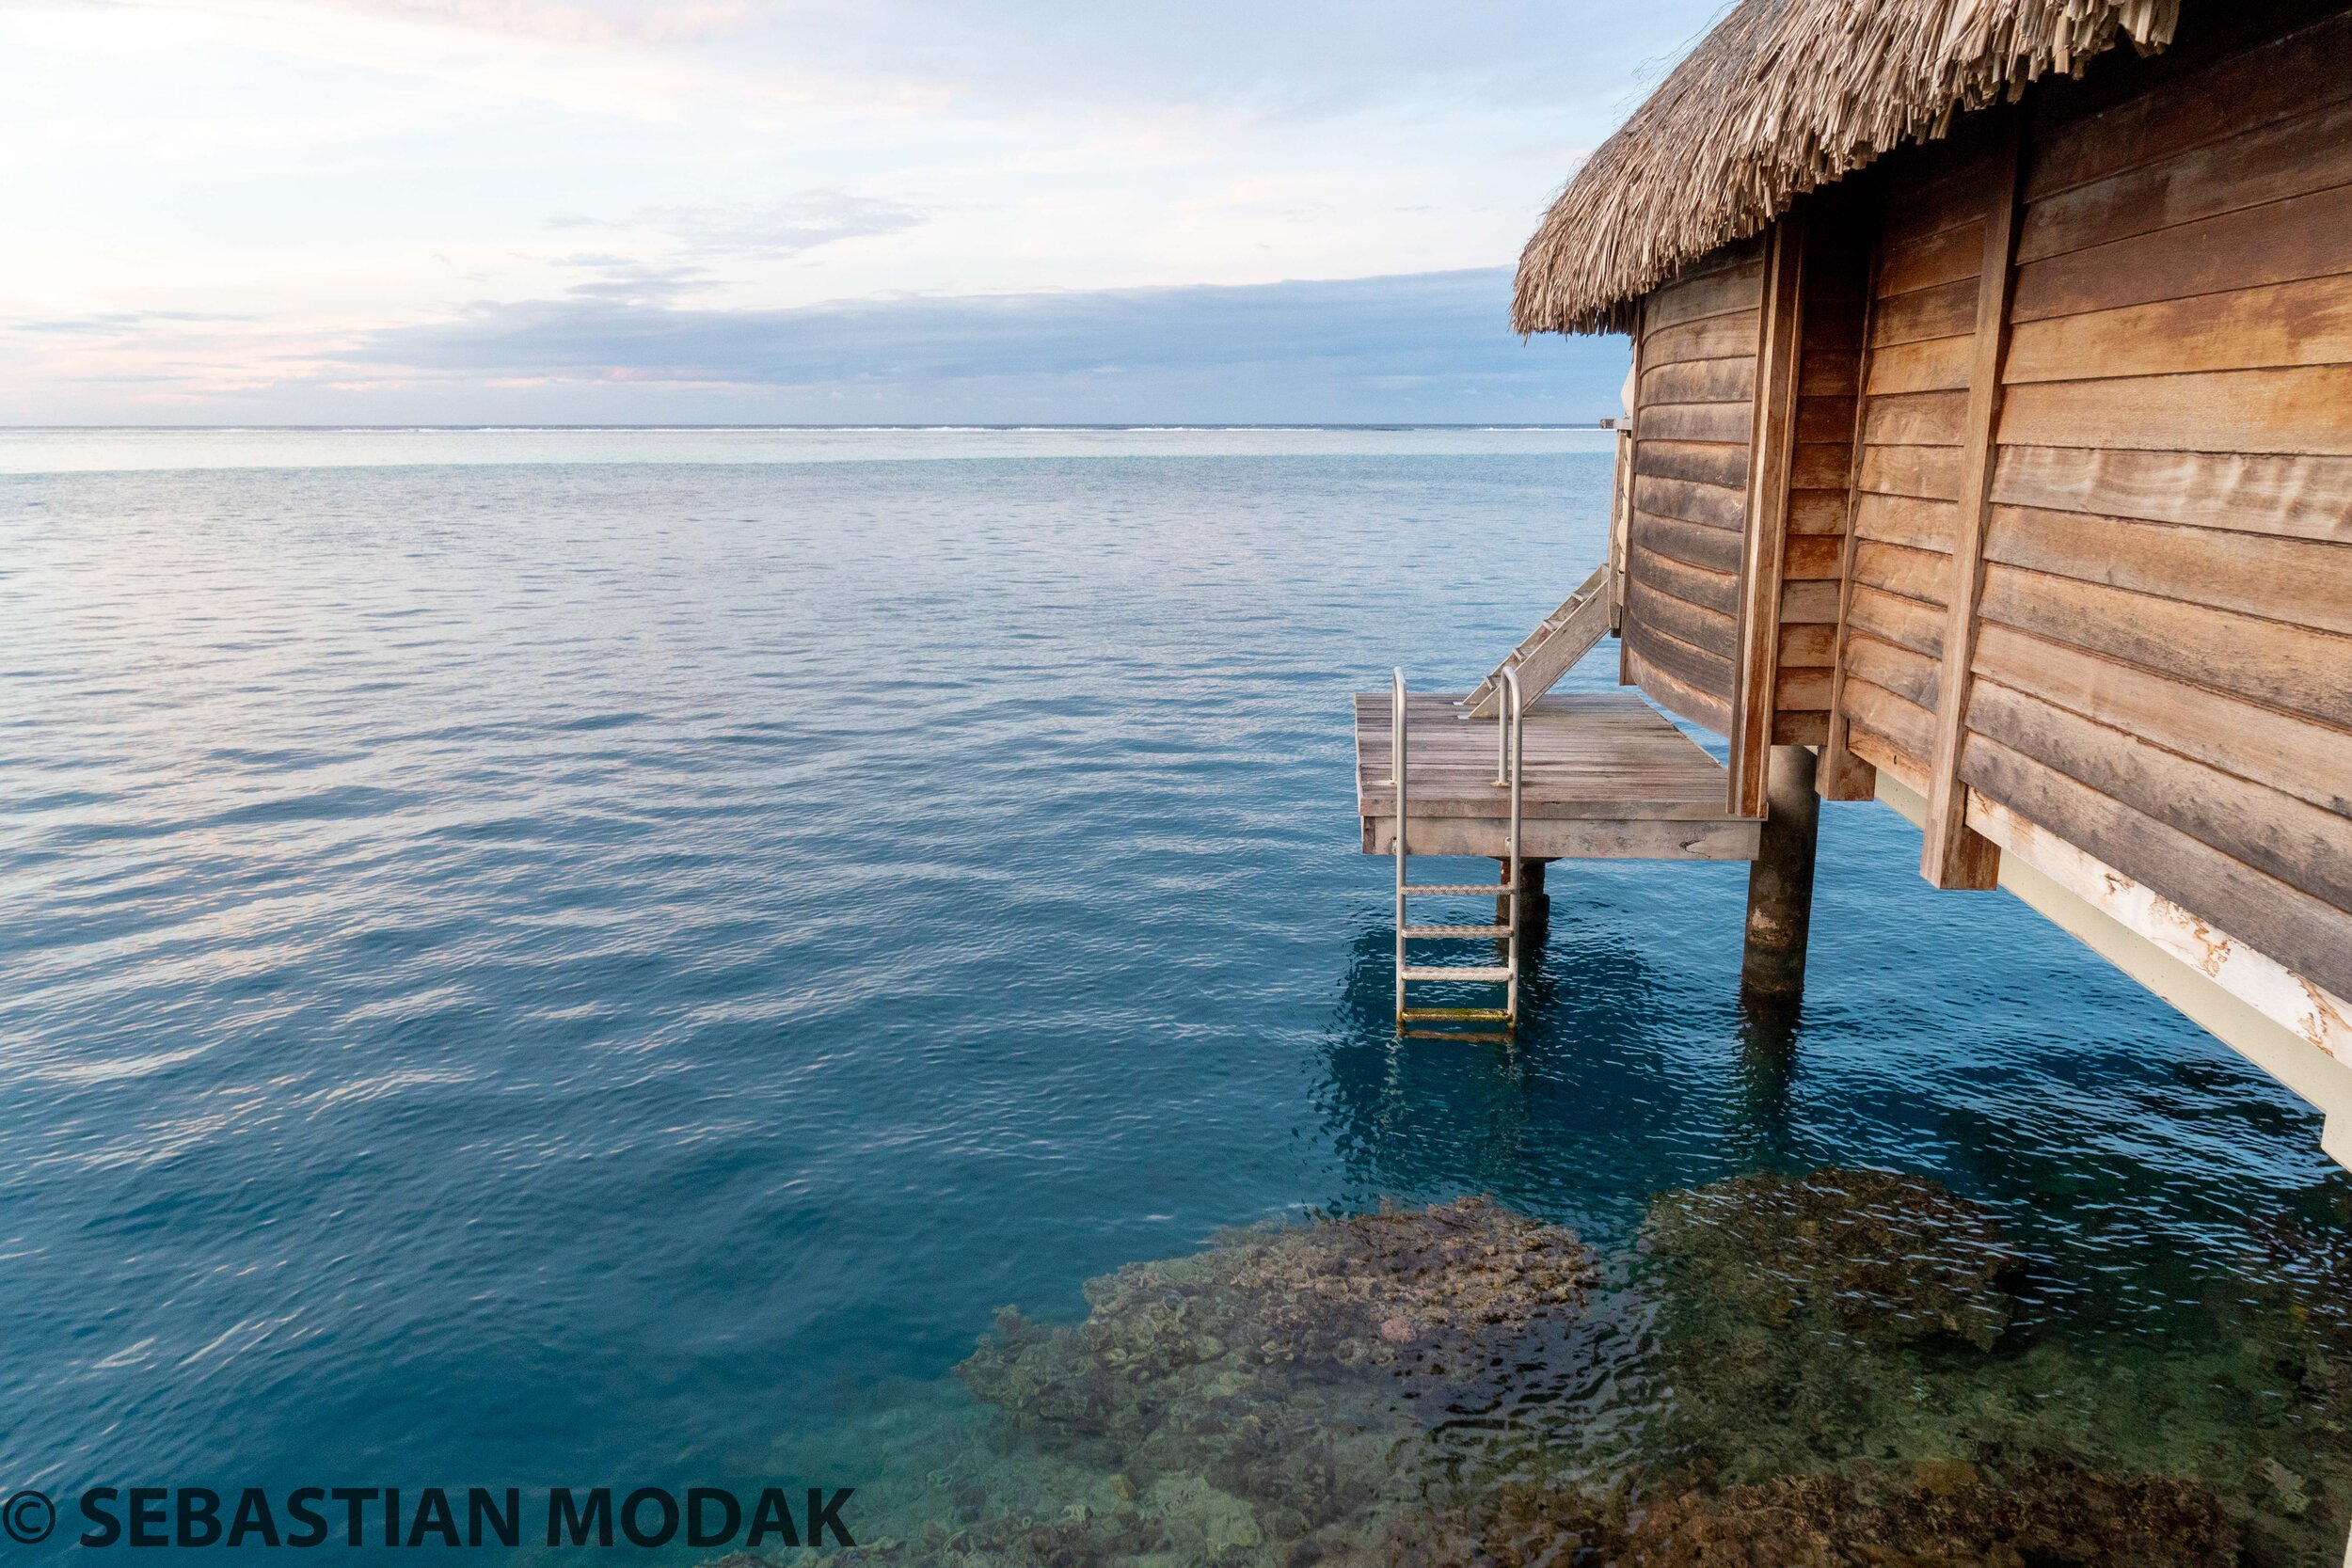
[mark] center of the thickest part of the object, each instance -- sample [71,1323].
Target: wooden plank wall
[1921,340]
[2163,669]
[1836,290]
[2115,325]
[1693,409]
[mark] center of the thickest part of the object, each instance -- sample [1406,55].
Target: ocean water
[605,958]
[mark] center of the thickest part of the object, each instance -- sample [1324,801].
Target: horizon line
[868,425]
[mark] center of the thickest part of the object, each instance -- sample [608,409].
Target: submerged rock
[1811,1371]
[1945,1516]
[1804,1319]
[1286,1364]
[1885,1257]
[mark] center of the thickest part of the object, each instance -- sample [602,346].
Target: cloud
[653,22]
[116,323]
[627,281]
[1416,346]
[320,168]
[1308,56]
[789,225]
[785,228]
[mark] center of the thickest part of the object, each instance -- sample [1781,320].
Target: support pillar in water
[1780,882]
[1534,903]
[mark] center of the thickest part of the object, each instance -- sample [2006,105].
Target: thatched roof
[1784,96]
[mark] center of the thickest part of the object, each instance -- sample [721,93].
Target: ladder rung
[1437,971]
[1458,930]
[1455,1015]
[1460,890]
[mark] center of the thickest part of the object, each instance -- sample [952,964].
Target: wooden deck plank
[1607,776]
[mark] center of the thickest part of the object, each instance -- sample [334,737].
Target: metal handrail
[1396,767]
[1511,719]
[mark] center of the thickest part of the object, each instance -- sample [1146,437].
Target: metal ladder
[1509,753]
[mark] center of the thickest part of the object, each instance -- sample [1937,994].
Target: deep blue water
[533,968]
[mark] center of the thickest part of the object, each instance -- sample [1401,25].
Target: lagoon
[595,958]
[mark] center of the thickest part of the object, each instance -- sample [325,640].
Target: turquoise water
[596,958]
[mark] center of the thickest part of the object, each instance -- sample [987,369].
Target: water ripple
[577,970]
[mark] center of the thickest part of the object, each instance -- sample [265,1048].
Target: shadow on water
[1618,1083]
[1764,1128]
[1419,1118]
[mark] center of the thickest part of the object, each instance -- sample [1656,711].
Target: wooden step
[1551,650]
[1458,930]
[1582,595]
[1496,975]
[1458,1015]
[1459,890]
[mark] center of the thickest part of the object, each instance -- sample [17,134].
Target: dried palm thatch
[1784,96]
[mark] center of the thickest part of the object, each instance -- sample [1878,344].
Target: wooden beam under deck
[1608,777]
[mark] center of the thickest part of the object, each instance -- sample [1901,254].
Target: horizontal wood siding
[1693,418]
[2163,671]
[1921,334]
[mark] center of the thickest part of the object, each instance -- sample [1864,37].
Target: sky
[798,211]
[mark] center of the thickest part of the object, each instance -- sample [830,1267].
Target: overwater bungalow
[1989,457]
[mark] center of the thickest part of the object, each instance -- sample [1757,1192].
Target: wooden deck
[1607,777]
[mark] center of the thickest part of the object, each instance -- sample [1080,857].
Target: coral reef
[1820,1371]
[1285,1366]
[1413,1292]
[1945,1516]
[1885,1257]
[1807,1321]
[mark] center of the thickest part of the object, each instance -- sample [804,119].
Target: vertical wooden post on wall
[1632,447]
[1620,508]
[1774,782]
[1954,855]
[1843,776]
[1771,447]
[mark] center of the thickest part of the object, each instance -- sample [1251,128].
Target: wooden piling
[1534,903]
[1780,882]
